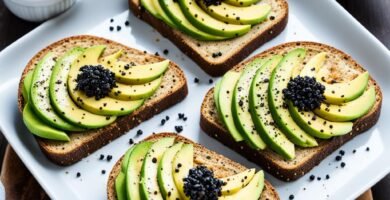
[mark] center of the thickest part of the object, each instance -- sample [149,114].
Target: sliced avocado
[317,126]
[252,191]
[339,93]
[173,10]
[241,2]
[165,177]
[134,167]
[129,74]
[120,186]
[27,86]
[216,93]
[40,96]
[40,128]
[348,111]
[61,100]
[203,21]
[149,187]
[154,8]
[120,181]
[135,92]
[336,93]
[261,114]
[280,113]
[103,106]
[182,163]
[240,109]
[253,14]
[233,184]
[225,102]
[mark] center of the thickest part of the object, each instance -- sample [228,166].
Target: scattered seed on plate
[156,54]
[368,149]
[318,178]
[103,171]
[166,51]
[179,129]
[111,20]
[101,157]
[181,115]
[109,157]
[327,176]
[342,152]
[118,28]
[196,80]
[162,122]
[312,177]
[139,132]
[167,117]
[338,158]
[111,28]
[78,174]
[211,81]
[184,118]
[131,141]
[342,164]
[127,23]
[291,197]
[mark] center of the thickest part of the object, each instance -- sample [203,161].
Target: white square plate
[323,21]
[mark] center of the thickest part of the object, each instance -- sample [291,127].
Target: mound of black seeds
[200,184]
[305,93]
[211,2]
[95,81]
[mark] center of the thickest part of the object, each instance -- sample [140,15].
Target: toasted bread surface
[233,50]
[172,90]
[219,164]
[341,67]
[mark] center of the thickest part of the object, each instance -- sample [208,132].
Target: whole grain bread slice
[219,164]
[233,50]
[340,67]
[172,90]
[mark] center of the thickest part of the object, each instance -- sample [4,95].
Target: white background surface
[322,20]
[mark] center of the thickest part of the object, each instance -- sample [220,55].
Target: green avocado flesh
[135,92]
[280,113]
[238,15]
[319,127]
[103,106]
[154,8]
[173,10]
[149,187]
[251,191]
[27,86]
[165,177]
[40,95]
[63,103]
[138,74]
[203,21]
[120,186]
[240,109]
[225,101]
[236,182]
[134,167]
[241,2]
[348,111]
[40,128]
[261,114]
[182,163]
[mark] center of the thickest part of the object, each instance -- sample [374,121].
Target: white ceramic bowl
[38,10]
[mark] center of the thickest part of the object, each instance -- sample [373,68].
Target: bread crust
[269,191]
[97,138]
[213,68]
[309,157]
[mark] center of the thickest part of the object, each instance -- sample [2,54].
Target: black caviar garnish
[200,184]
[211,2]
[305,93]
[179,129]
[95,81]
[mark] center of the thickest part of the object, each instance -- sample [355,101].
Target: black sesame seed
[127,23]
[179,129]
[154,160]
[109,157]
[318,178]
[103,171]
[211,81]
[111,20]
[368,149]
[291,197]
[338,158]
[342,164]
[78,174]
[118,28]
[166,51]
[139,132]
[312,177]
[354,151]
[327,176]
[162,122]
[341,152]
[196,80]
[111,28]
[184,118]
[131,141]
[167,117]
[101,157]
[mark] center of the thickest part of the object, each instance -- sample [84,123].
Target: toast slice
[172,90]
[219,164]
[343,67]
[233,50]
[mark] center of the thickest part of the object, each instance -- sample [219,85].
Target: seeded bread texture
[172,90]
[219,164]
[233,50]
[340,67]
